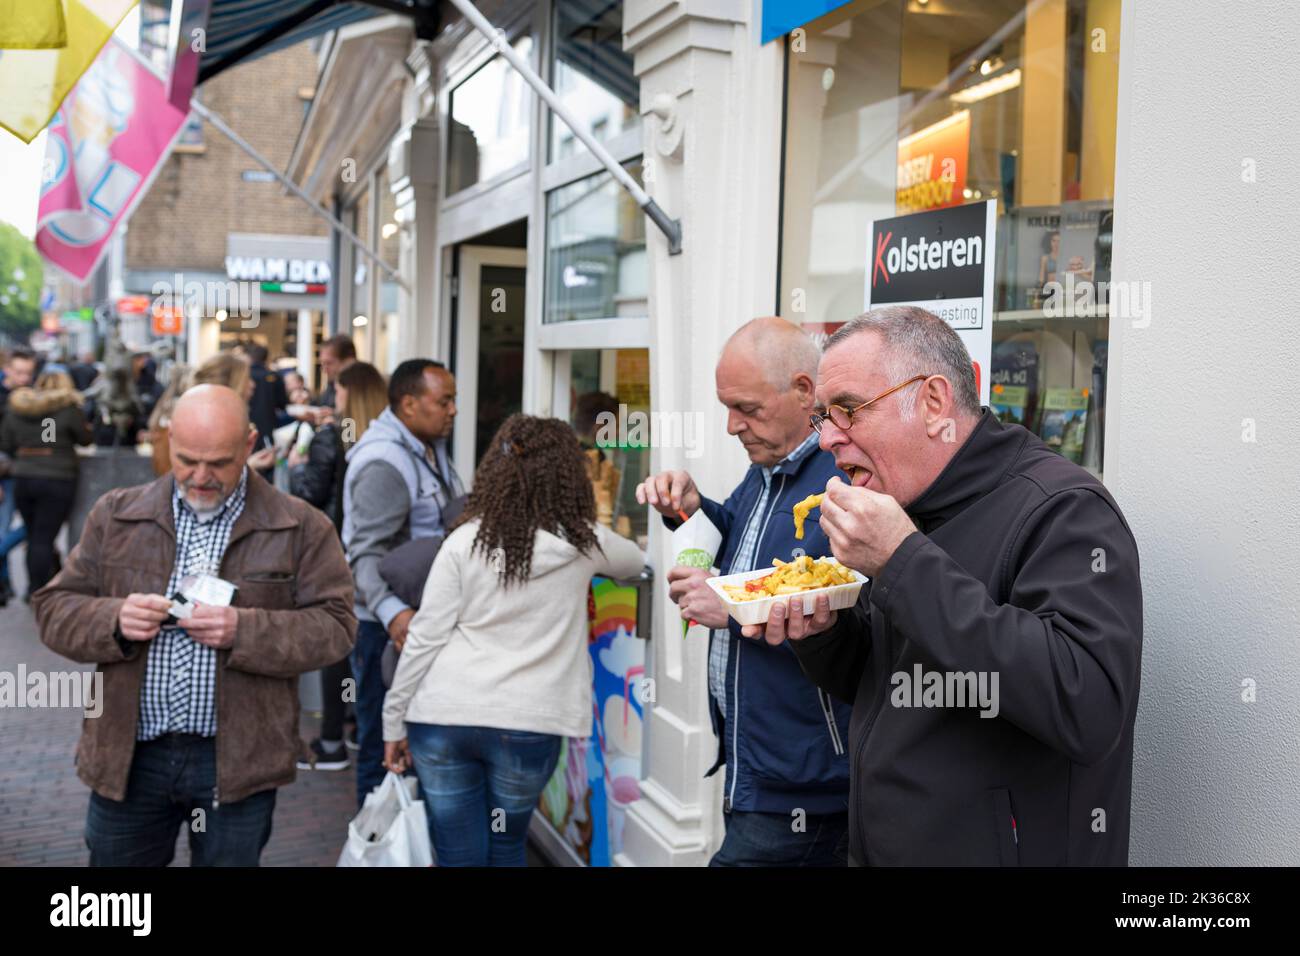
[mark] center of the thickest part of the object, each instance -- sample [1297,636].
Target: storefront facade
[537,279]
[526,268]
[522,265]
[780,154]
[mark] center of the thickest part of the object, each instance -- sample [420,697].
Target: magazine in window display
[1036,232]
[1014,380]
[1080,254]
[1064,422]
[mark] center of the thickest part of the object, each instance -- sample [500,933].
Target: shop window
[609,401]
[390,249]
[489,122]
[1019,98]
[595,250]
[591,74]
[362,270]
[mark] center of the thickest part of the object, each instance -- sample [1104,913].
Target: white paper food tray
[756,612]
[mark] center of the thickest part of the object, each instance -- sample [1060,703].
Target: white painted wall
[714,154]
[1205,87]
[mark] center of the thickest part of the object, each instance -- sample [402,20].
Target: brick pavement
[43,804]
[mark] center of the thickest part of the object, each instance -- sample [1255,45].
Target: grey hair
[917,342]
[793,356]
[782,349]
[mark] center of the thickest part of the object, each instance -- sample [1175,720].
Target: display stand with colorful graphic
[596,780]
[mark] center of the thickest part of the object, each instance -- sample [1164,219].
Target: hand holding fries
[864,527]
[669,492]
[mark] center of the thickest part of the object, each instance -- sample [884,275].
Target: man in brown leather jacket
[199,721]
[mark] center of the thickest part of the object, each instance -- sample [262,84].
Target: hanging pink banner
[105,145]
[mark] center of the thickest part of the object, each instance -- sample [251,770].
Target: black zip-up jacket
[1023,567]
[40,429]
[319,480]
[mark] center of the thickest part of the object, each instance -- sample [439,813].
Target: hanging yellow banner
[34,81]
[32,25]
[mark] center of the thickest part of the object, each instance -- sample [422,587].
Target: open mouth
[859,477]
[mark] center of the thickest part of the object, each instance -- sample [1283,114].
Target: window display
[606,387]
[894,107]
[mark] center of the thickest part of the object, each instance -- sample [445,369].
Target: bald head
[209,409]
[778,350]
[210,442]
[766,377]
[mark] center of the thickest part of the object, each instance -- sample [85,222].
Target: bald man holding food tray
[781,739]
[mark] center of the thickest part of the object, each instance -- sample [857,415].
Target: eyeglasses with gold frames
[842,418]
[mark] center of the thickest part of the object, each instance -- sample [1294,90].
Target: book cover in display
[1065,413]
[1010,404]
[1013,382]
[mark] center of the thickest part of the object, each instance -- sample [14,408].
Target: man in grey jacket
[399,485]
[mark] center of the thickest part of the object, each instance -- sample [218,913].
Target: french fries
[801,574]
[813,501]
[801,513]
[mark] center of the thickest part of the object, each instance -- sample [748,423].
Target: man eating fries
[995,563]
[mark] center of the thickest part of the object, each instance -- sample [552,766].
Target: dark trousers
[783,839]
[171,785]
[332,705]
[367,656]
[45,504]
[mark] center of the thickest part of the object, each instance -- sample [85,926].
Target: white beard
[204,515]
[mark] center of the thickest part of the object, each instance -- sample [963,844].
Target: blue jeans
[481,786]
[770,839]
[10,537]
[171,779]
[366,657]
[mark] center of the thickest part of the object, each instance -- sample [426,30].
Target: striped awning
[235,27]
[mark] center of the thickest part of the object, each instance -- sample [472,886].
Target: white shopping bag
[390,829]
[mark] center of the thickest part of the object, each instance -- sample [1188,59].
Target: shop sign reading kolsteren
[942,261]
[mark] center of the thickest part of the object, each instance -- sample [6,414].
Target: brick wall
[198,198]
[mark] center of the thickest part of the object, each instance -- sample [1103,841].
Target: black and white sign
[275,258]
[277,269]
[942,261]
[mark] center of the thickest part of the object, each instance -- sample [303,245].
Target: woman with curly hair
[495,671]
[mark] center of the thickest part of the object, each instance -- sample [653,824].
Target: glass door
[489,347]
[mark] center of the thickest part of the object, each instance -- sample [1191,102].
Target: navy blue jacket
[784,740]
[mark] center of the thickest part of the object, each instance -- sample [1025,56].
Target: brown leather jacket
[295,615]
